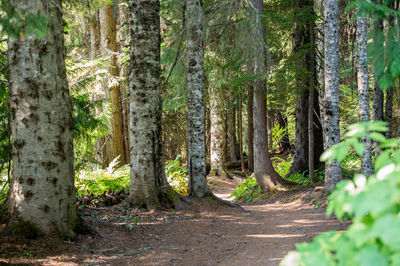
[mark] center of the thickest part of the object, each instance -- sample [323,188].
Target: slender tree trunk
[378,93]
[149,187]
[196,112]
[363,91]
[389,111]
[94,36]
[232,128]
[284,142]
[307,112]
[42,192]
[109,42]
[123,39]
[250,127]
[265,173]
[217,146]
[240,125]
[331,97]
[312,89]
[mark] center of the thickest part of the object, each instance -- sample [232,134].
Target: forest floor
[207,233]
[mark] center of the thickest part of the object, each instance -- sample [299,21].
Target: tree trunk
[363,91]
[94,36]
[233,156]
[42,192]
[311,106]
[149,187]
[389,111]
[123,39]
[284,142]
[217,146]
[265,173]
[196,112]
[331,97]
[306,82]
[378,93]
[109,43]
[240,125]
[250,126]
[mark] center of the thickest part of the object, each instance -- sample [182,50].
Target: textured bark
[148,182]
[250,126]
[196,112]
[378,94]
[233,156]
[217,145]
[331,97]
[42,192]
[109,42]
[363,91]
[265,173]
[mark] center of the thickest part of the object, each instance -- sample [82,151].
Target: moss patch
[23,228]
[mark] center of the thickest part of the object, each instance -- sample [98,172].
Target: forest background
[97,47]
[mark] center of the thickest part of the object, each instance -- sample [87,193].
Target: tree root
[226,203]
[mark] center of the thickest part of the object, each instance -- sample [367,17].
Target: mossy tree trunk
[42,192]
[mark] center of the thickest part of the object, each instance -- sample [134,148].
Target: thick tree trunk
[331,97]
[149,186]
[109,42]
[265,173]
[196,112]
[217,146]
[250,126]
[363,91]
[42,192]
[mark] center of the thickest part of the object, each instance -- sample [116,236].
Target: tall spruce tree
[149,187]
[196,110]
[331,97]
[42,192]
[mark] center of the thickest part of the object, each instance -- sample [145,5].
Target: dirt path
[209,234]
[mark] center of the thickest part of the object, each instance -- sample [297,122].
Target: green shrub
[97,180]
[302,178]
[177,176]
[373,204]
[247,191]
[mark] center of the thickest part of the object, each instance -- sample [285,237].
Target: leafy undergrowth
[110,185]
[249,191]
[372,204]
